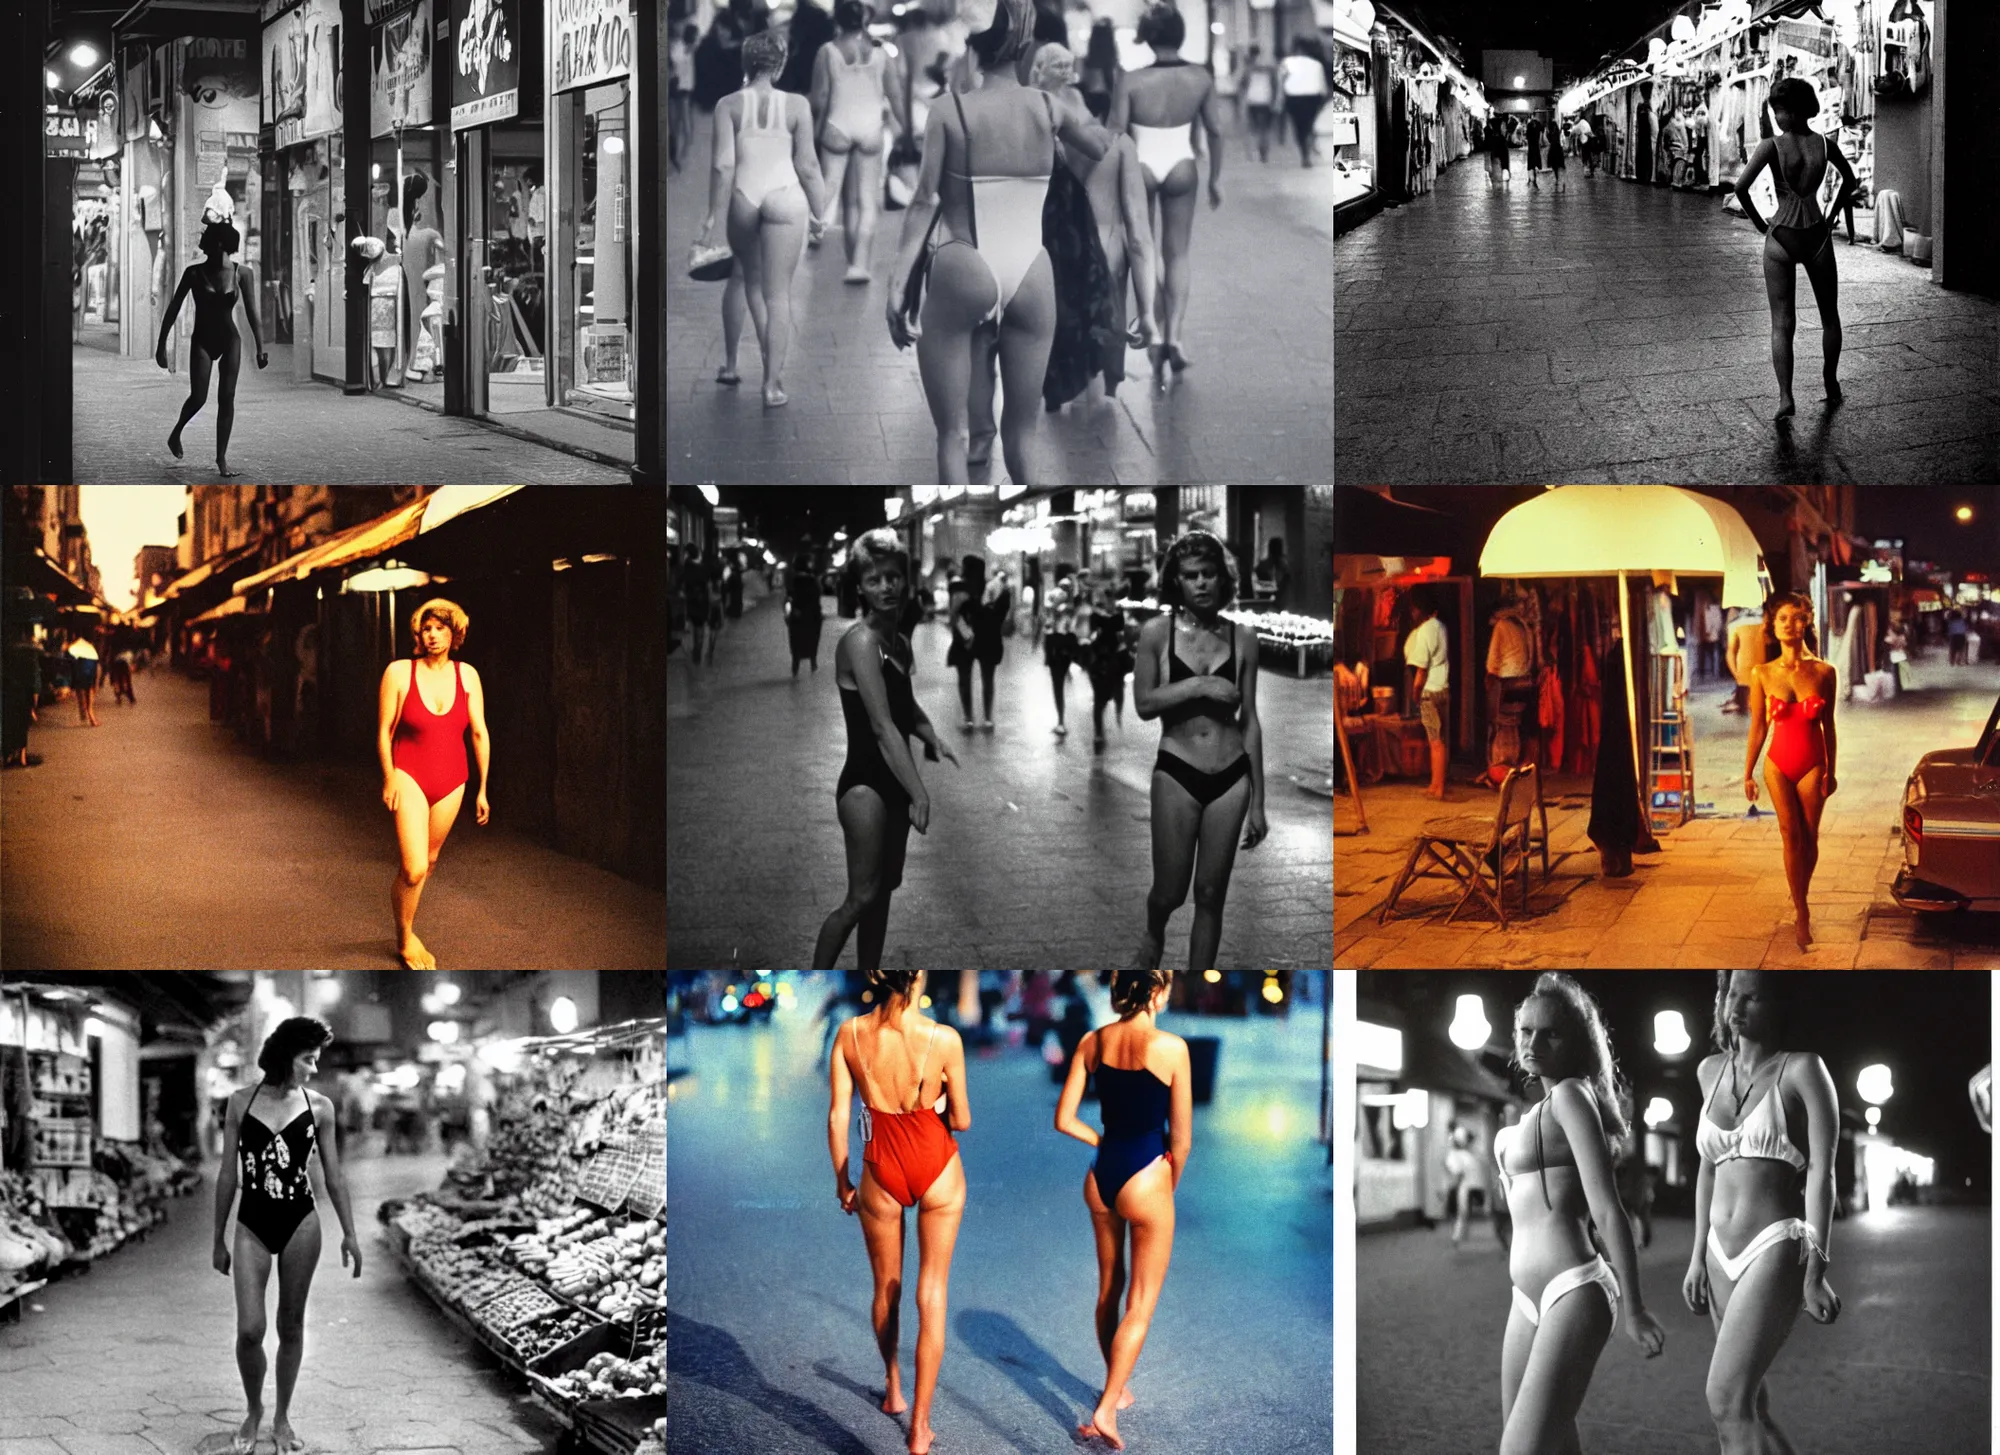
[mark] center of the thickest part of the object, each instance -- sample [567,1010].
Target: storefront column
[355,70]
[1965,211]
[649,130]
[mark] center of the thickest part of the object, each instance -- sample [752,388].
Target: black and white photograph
[986,727]
[316,242]
[1668,241]
[1642,1212]
[333,1213]
[1019,240]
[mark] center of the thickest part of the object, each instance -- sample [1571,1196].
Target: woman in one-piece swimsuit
[1795,692]
[1798,233]
[849,92]
[1750,1240]
[987,161]
[766,182]
[1158,107]
[879,796]
[1556,1176]
[425,706]
[215,284]
[910,1073]
[1144,1089]
[1208,780]
[267,1142]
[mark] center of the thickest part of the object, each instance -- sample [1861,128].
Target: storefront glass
[511,258]
[1350,130]
[596,348]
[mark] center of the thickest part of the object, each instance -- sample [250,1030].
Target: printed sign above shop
[486,68]
[399,52]
[592,40]
[301,70]
[66,134]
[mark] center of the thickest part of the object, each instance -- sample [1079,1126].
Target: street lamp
[83,55]
[1469,1028]
[1413,1110]
[1670,1034]
[1874,1117]
[1963,513]
[562,1014]
[1659,1111]
[1874,1084]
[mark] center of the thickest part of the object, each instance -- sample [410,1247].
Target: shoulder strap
[458,672]
[253,1096]
[924,1061]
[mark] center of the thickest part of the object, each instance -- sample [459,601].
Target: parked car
[1951,827]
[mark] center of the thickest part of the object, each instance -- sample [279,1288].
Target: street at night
[770,1347]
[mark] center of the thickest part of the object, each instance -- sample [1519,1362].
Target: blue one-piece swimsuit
[1135,1105]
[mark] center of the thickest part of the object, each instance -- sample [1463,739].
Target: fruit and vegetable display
[606,1376]
[546,1335]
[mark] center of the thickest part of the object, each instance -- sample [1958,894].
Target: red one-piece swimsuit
[429,747]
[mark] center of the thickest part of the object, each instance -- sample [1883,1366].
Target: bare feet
[1833,394]
[921,1436]
[416,956]
[245,1438]
[288,1439]
[1786,408]
[1802,930]
[1125,1400]
[174,442]
[893,1402]
[222,469]
[1102,1425]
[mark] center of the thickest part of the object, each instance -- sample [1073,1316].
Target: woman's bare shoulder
[401,677]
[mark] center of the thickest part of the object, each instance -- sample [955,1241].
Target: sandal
[728,377]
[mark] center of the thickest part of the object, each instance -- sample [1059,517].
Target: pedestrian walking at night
[1569,1290]
[1510,691]
[216,283]
[1534,152]
[804,613]
[1260,100]
[19,690]
[1709,635]
[83,661]
[849,94]
[732,583]
[1145,1094]
[1557,159]
[704,605]
[1798,233]
[1674,141]
[680,93]
[908,1070]
[1749,1196]
[427,702]
[978,612]
[1583,139]
[1498,164]
[1796,691]
[1642,136]
[1428,653]
[1462,1168]
[1302,76]
[1956,633]
[1059,647]
[1110,663]
[879,796]
[1745,654]
[1208,779]
[271,1132]
[1614,827]
[120,669]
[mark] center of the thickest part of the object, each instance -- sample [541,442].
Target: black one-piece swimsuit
[277,1193]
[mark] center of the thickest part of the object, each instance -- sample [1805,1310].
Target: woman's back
[1166,95]
[897,1066]
[1800,167]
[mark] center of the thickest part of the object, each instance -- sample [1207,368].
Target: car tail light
[1913,825]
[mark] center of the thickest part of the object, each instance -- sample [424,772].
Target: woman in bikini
[426,704]
[766,182]
[1794,694]
[909,1070]
[216,284]
[1208,780]
[1144,1091]
[1157,106]
[1798,233]
[270,1132]
[1556,1175]
[988,157]
[879,796]
[1748,1199]
[848,91]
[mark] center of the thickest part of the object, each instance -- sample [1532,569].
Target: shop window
[598,355]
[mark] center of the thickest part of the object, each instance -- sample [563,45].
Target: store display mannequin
[423,262]
[385,293]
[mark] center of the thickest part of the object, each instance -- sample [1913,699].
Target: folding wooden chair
[1473,850]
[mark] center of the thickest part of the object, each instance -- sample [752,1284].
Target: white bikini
[1161,148]
[760,146]
[1596,1271]
[1010,238]
[1761,1134]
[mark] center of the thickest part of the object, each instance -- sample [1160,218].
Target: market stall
[1402,110]
[548,1246]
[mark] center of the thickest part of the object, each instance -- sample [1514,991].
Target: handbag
[712,264]
[899,174]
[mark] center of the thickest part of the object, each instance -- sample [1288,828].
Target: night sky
[1922,516]
[779,514]
[1575,32]
[1931,1028]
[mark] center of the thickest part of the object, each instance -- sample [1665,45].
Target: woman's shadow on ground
[703,1354]
[1003,1343]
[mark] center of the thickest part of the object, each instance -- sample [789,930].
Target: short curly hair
[1195,543]
[449,612]
[1795,96]
[292,1039]
[880,547]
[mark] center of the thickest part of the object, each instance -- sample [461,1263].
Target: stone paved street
[288,432]
[1715,895]
[769,1347]
[1038,856]
[138,1357]
[1255,406]
[1620,334]
[1906,1370]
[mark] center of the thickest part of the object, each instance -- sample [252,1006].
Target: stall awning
[180,587]
[234,606]
[47,578]
[1601,530]
[1368,524]
[370,538]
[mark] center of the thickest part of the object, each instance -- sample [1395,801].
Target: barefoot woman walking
[1145,1089]
[1795,694]
[426,706]
[269,1133]
[216,284]
[908,1069]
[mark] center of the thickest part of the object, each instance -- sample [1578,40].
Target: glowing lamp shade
[1413,1110]
[1659,1111]
[1670,1033]
[83,54]
[444,1032]
[562,1014]
[1469,1027]
[329,989]
[1875,1084]
[448,992]
[1683,28]
[1273,992]
[92,1026]
[1874,1116]
[1361,13]
[1380,1048]
[1655,48]
[1213,977]
[613,145]
[1519,82]
[709,493]
[1963,514]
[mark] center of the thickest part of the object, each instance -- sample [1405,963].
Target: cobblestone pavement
[1620,334]
[262,865]
[770,1348]
[138,1358]
[1039,854]
[1254,408]
[1906,1369]
[290,432]
[1715,896]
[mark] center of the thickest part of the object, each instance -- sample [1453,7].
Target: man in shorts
[1427,653]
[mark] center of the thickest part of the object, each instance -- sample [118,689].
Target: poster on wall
[486,64]
[399,54]
[301,70]
[592,41]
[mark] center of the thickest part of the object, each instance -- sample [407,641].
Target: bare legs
[1190,841]
[295,1272]
[1824,276]
[1798,806]
[962,290]
[199,365]
[225,401]
[1545,1372]
[767,241]
[1146,1207]
[1173,233]
[864,820]
[250,1269]
[1765,1305]
[860,204]
[938,1216]
[421,828]
[1781,284]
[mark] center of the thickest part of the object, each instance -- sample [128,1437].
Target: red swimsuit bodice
[429,746]
[1797,744]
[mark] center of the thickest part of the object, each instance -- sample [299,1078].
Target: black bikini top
[1179,671]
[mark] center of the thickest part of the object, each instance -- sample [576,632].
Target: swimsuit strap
[1541,1161]
[971,192]
[923,1062]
